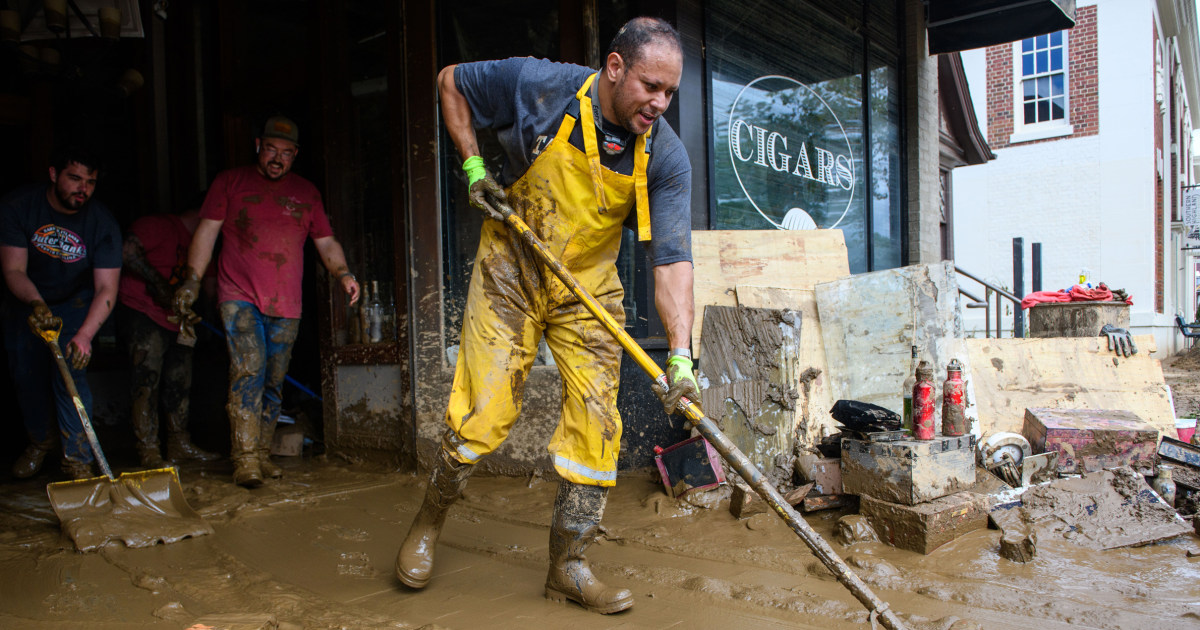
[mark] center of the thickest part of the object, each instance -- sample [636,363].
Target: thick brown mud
[315,549]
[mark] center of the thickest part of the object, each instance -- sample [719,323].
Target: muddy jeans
[42,393]
[260,348]
[161,374]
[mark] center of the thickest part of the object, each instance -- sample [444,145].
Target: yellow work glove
[682,383]
[181,305]
[485,193]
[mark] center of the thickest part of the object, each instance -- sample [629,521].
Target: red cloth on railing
[1038,297]
[1077,293]
[1081,293]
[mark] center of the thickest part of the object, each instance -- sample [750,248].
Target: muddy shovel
[137,508]
[728,450]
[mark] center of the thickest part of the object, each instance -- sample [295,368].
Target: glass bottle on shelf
[375,314]
[907,391]
[364,323]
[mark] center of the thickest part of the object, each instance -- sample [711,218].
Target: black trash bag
[863,417]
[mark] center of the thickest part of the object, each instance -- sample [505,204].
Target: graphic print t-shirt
[64,249]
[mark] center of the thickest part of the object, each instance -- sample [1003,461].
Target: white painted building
[1088,127]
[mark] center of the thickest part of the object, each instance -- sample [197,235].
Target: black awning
[965,24]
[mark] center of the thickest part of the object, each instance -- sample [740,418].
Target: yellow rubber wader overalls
[576,207]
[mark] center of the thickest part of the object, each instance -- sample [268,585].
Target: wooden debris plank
[816,393]
[1012,375]
[796,259]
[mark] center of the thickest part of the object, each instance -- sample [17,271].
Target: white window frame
[1023,132]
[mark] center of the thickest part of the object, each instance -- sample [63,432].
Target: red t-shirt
[165,240]
[265,225]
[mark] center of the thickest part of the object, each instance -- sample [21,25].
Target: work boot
[76,469]
[30,462]
[180,448]
[266,435]
[414,562]
[246,472]
[577,513]
[244,439]
[150,455]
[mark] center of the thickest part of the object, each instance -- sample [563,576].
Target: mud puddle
[315,550]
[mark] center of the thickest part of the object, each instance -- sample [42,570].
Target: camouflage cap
[281,127]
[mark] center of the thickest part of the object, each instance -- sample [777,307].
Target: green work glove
[485,193]
[42,319]
[181,305]
[682,383]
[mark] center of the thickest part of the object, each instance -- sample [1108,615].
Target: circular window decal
[791,154]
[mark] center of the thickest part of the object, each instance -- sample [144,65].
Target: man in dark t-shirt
[585,153]
[60,252]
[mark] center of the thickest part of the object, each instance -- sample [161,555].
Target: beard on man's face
[73,201]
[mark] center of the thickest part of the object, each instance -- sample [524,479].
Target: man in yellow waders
[584,149]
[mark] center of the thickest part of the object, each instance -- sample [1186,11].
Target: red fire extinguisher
[923,397]
[954,419]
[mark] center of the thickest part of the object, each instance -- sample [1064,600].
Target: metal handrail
[986,303]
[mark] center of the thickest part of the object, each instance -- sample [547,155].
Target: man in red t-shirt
[155,258]
[265,213]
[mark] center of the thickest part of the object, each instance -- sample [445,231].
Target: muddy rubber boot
[180,448]
[30,462]
[577,513]
[145,428]
[414,562]
[266,434]
[76,469]
[244,447]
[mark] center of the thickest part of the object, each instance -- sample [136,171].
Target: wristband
[352,276]
[474,168]
[681,352]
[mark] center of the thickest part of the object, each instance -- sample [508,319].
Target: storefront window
[789,126]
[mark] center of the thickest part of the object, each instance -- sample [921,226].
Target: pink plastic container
[1185,427]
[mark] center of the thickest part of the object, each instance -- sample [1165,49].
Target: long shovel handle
[740,463]
[52,341]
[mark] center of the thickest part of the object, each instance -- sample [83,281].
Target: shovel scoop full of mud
[139,509]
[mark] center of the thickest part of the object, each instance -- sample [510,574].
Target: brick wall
[1082,76]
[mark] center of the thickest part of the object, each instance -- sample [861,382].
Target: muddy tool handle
[728,450]
[51,339]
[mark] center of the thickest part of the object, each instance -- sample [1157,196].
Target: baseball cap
[281,127]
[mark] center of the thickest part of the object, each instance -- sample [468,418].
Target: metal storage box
[1088,440]
[908,471]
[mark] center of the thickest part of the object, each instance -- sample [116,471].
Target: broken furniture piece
[908,471]
[926,526]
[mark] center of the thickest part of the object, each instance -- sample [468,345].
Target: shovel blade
[139,509]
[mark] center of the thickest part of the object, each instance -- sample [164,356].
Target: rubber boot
[180,448]
[244,448]
[265,436]
[414,562]
[30,462]
[145,428]
[76,469]
[577,513]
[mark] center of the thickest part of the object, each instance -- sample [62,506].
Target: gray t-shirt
[523,99]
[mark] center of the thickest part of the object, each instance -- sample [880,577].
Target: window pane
[885,98]
[1056,84]
[1027,64]
[788,129]
[1027,45]
[1057,111]
[1029,89]
[1056,38]
[1042,62]
[1056,56]
[1041,41]
[1030,113]
[1043,87]
[1043,111]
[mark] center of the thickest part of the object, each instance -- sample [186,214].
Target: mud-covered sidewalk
[315,550]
